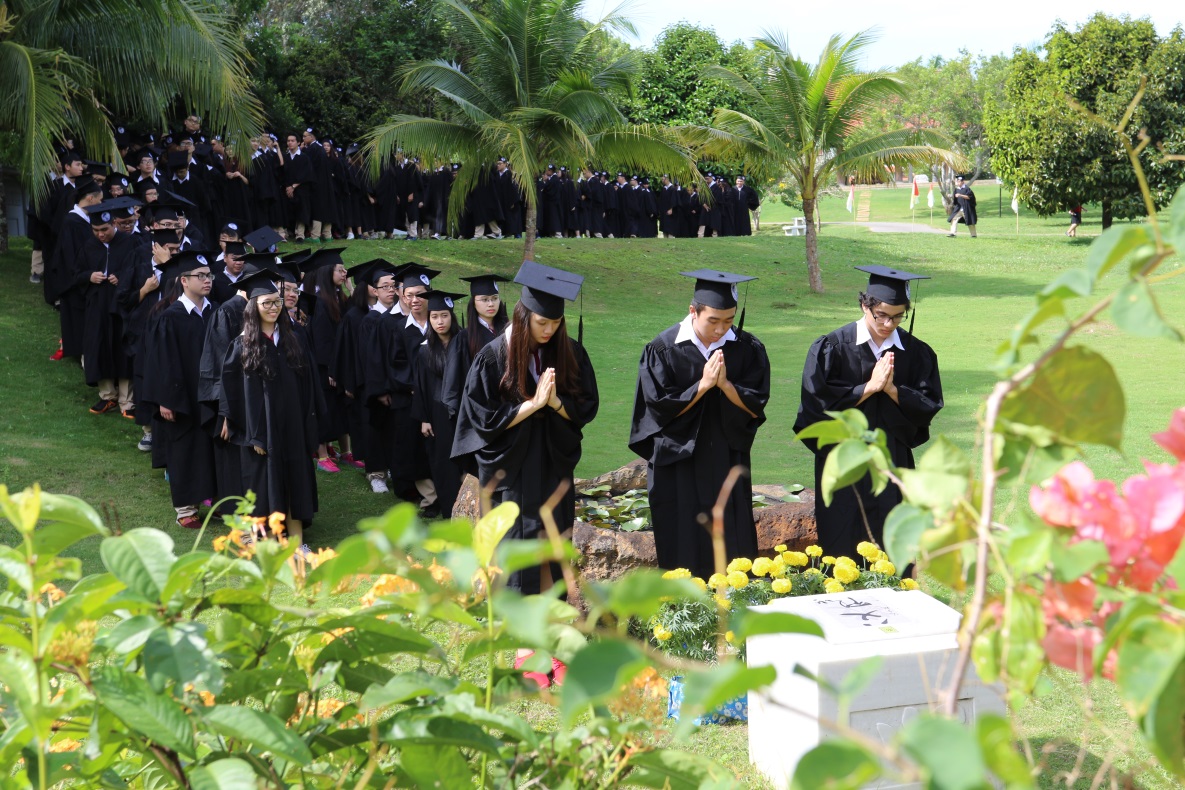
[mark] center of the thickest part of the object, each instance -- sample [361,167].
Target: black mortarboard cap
[70,156]
[236,248]
[259,261]
[322,256]
[289,270]
[715,289]
[186,261]
[100,169]
[231,229]
[143,186]
[174,201]
[413,274]
[163,236]
[263,239]
[890,286]
[85,186]
[259,283]
[116,179]
[545,288]
[360,272]
[484,284]
[441,300]
[178,160]
[103,213]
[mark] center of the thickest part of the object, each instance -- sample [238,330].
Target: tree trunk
[814,276]
[1106,214]
[3,217]
[529,233]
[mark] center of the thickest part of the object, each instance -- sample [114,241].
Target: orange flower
[328,637]
[207,698]
[65,745]
[51,590]
[275,523]
[388,584]
[221,543]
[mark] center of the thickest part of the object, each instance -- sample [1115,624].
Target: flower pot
[734,710]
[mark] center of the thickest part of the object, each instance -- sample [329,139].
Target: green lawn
[632,292]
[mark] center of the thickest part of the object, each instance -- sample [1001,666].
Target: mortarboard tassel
[914,313]
[580,325]
[744,304]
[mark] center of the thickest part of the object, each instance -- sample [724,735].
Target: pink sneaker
[327,465]
[349,460]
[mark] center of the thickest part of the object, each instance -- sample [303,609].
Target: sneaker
[379,486]
[349,236]
[327,465]
[57,355]
[130,413]
[35,279]
[348,460]
[104,406]
[189,522]
[145,444]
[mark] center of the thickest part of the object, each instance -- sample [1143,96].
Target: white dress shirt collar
[687,332]
[190,306]
[863,335]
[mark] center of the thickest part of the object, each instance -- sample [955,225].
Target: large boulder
[791,523]
[628,478]
[468,504]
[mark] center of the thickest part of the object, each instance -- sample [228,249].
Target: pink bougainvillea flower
[1173,439]
[1157,504]
[1073,602]
[1072,648]
[1061,502]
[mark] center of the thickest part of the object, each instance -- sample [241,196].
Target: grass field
[980,289]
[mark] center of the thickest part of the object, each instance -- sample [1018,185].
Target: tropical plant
[528,87]
[66,71]
[799,121]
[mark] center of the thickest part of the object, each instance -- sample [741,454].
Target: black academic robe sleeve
[225,325]
[421,407]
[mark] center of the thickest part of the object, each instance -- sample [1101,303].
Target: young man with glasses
[875,366]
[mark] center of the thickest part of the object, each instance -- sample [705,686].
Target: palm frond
[430,138]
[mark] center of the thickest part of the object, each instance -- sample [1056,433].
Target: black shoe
[104,406]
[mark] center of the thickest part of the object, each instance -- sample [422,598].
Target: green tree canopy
[1054,153]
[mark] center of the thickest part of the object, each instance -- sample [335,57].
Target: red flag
[913,199]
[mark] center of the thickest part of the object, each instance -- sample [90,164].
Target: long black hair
[329,295]
[437,350]
[170,292]
[255,356]
[360,298]
[557,353]
[473,323]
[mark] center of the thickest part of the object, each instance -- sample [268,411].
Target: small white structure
[913,633]
[797,229]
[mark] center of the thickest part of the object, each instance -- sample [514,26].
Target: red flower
[1173,439]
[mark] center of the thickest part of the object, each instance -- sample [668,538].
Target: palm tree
[68,67]
[799,119]
[531,87]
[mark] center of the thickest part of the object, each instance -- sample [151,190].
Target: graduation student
[437,425]
[411,474]
[324,276]
[703,385]
[527,399]
[387,380]
[226,281]
[270,400]
[66,278]
[485,319]
[173,359]
[347,365]
[873,365]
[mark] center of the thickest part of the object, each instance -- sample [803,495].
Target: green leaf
[141,559]
[835,765]
[666,768]
[642,591]
[747,623]
[1022,461]
[14,565]
[1112,245]
[1077,395]
[405,687]
[128,635]
[708,690]
[1030,553]
[903,532]
[261,730]
[412,727]
[155,716]
[229,773]
[596,672]
[1148,660]
[998,744]
[935,491]
[1175,229]
[491,528]
[180,654]
[948,751]
[826,432]
[943,456]
[1070,283]
[436,767]
[1135,310]
[845,465]
[1074,560]
[1162,723]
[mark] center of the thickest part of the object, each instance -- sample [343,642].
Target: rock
[607,554]
[468,504]
[628,478]
[792,523]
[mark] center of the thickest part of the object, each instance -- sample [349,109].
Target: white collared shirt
[863,335]
[486,324]
[80,212]
[422,327]
[234,278]
[379,307]
[190,306]
[687,332]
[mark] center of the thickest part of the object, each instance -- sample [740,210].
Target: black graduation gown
[744,200]
[66,281]
[280,415]
[225,325]
[964,199]
[691,213]
[322,332]
[103,353]
[723,207]
[457,364]
[388,371]
[173,351]
[222,290]
[347,368]
[135,327]
[537,455]
[669,201]
[427,407]
[833,379]
[689,455]
[411,462]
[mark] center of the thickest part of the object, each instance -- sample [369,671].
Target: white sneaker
[436,236]
[378,486]
[349,236]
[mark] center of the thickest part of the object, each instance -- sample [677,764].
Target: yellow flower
[828,560]
[320,556]
[207,698]
[762,566]
[220,543]
[814,551]
[812,572]
[848,561]
[867,550]
[779,569]
[717,580]
[780,548]
[661,633]
[781,586]
[740,564]
[50,590]
[64,745]
[722,601]
[700,583]
[678,573]
[275,523]
[885,567]
[737,579]
[880,555]
[832,586]
[796,559]
[729,636]
[388,584]
[236,537]
[846,573]
[908,584]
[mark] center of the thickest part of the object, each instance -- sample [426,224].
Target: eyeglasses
[885,318]
[271,304]
[204,276]
[388,287]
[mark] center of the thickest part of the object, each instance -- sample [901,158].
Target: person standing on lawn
[701,395]
[963,208]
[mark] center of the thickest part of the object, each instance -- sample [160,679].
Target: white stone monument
[913,633]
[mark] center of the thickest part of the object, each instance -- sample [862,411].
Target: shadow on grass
[1068,765]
